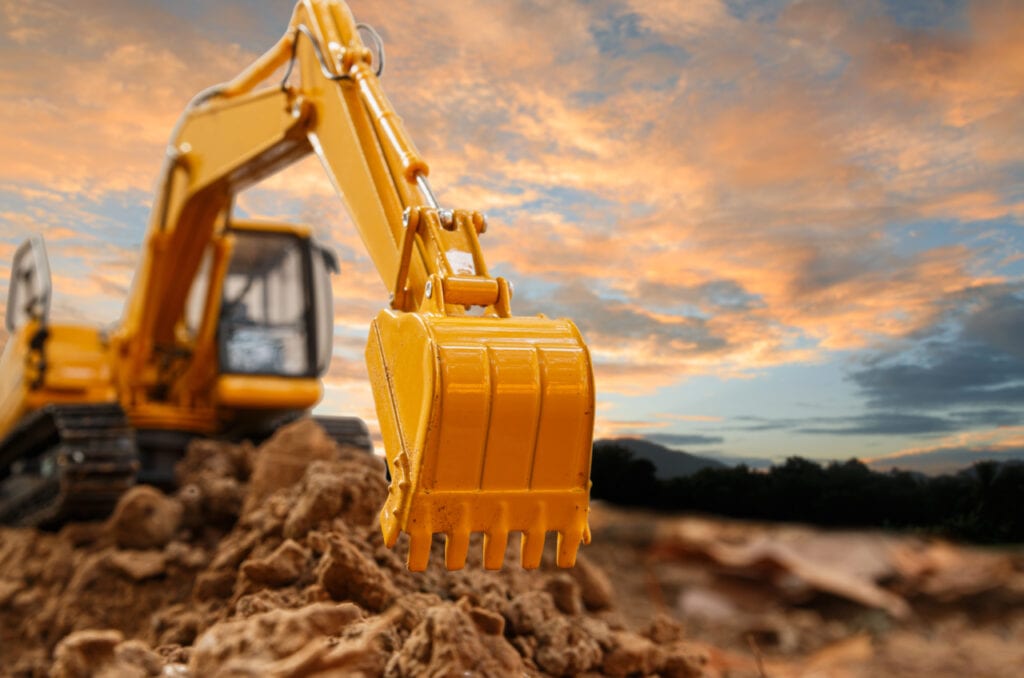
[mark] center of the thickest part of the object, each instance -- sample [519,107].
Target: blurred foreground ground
[269,562]
[789,600]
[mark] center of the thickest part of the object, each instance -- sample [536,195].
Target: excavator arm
[487,419]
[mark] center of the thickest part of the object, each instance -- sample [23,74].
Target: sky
[784,228]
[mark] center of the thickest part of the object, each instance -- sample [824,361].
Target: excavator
[486,417]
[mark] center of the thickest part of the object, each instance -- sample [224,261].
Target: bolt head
[447,218]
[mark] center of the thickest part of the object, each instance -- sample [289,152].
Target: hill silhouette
[668,463]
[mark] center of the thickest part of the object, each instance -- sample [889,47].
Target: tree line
[982,503]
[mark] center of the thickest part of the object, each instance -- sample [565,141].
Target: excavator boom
[486,417]
[487,420]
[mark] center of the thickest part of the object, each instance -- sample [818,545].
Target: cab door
[23,360]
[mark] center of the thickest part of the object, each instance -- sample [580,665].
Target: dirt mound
[269,562]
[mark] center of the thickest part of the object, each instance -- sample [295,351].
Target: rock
[135,653]
[448,643]
[26,601]
[176,625]
[8,589]
[410,609]
[281,567]
[595,588]
[222,499]
[214,584]
[191,498]
[205,458]
[683,661]
[565,592]
[138,565]
[565,648]
[190,557]
[281,461]
[81,534]
[301,636]
[528,611]
[632,654]
[364,650]
[664,630]
[560,646]
[490,623]
[347,574]
[233,550]
[212,480]
[144,518]
[320,498]
[87,653]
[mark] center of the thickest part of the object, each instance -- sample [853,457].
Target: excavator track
[349,431]
[66,462]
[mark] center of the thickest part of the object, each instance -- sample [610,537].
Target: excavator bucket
[487,426]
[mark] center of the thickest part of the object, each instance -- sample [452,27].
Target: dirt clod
[281,567]
[145,518]
[447,642]
[86,653]
[138,565]
[348,574]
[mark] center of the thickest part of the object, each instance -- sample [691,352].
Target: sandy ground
[269,562]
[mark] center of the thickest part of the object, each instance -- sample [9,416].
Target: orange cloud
[98,121]
[971,78]
[982,442]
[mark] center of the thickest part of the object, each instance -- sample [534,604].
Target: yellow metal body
[487,419]
[78,370]
[488,423]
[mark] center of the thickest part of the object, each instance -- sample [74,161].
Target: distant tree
[979,504]
[795,489]
[618,477]
[997,490]
[846,493]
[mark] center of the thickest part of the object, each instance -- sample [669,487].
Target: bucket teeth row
[495,543]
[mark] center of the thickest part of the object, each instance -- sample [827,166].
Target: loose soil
[269,561]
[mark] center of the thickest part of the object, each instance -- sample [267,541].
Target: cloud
[886,423]
[969,77]
[683,439]
[93,117]
[957,451]
[705,418]
[609,427]
[948,460]
[879,423]
[980,363]
[989,418]
[759,424]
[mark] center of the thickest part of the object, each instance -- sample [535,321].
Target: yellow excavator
[486,417]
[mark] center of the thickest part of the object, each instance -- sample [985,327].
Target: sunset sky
[784,228]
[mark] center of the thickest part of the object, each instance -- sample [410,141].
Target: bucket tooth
[568,544]
[389,526]
[456,547]
[419,551]
[531,548]
[495,543]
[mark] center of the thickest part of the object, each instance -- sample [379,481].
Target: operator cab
[276,315]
